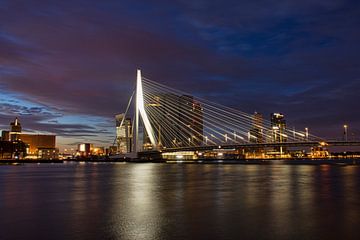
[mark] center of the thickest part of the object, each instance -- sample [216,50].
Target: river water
[179,201]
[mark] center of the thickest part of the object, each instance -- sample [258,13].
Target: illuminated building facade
[278,125]
[85,149]
[34,142]
[37,141]
[123,134]
[48,153]
[15,130]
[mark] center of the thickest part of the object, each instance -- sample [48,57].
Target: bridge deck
[263,145]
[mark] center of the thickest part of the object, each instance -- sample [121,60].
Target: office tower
[256,131]
[191,116]
[123,134]
[278,125]
[177,121]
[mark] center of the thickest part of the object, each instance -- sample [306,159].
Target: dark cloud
[79,57]
[38,122]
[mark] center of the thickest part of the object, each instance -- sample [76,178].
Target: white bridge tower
[140,112]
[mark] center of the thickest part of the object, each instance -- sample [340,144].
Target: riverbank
[198,161]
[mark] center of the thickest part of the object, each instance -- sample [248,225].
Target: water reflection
[136,204]
[170,201]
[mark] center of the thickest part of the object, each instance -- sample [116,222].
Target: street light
[346,132]
[307,133]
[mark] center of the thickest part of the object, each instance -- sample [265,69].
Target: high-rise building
[15,130]
[123,134]
[256,131]
[278,125]
[161,111]
[176,120]
[191,115]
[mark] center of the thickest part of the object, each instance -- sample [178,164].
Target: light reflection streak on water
[162,201]
[142,206]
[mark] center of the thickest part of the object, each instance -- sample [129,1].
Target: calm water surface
[170,201]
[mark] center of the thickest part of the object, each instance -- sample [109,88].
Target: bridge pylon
[141,113]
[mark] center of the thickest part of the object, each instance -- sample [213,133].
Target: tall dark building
[176,120]
[191,114]
[161,110]
[278,125]
[256,130]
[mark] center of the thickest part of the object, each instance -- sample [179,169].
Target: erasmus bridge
[170,122]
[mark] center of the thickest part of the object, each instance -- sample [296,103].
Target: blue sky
[70,128]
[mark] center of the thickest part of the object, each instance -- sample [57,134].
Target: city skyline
[69,68]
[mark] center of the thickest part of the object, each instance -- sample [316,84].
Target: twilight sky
[67,67]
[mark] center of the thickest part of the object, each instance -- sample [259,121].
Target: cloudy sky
[67,67]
